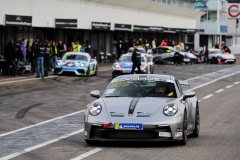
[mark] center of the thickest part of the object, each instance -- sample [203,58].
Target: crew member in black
[40,54]
[206,53]
[11,56]
[216,46]
[227,50]
[33,61]
[19,55]
[177,58]
[47,57]
[136,59]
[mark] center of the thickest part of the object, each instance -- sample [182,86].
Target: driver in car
[160,88]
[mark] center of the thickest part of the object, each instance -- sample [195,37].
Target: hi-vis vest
[78,49]
[55,50]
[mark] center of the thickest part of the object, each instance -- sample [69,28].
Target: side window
[179,88]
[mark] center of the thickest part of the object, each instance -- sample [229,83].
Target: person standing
[28,49]
[216,45]
[11,57]
[119,49]
[84,47]
[61,48]
[125,47]
[146,45]
[76,47]
[40,54]
[19,55]
[47,57]
[163,43]
[33,61]
[154,43]
[173,45]
[54,52]
[136,59]
[23,48]
[206,52]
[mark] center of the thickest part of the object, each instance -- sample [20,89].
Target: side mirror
[95,94]
[188,94]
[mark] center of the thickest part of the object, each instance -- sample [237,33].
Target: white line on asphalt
[26,80]
[50,120]
[210,73]
[236,83]
[82,156]
[105,69]
[220,90]
[229,86]
[15,78]
[208,96]
[215,80]
[41,145]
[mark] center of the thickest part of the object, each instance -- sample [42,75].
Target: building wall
[44,13]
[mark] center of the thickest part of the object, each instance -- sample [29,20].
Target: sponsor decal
[123,27]
[165,134]
[101,26]
[133,105]
[128,126]
[120,84]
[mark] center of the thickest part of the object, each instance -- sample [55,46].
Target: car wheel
[184,140]
[213,61]
[195,133]
[91,142]
[88,72]
[165,62]
[96,72]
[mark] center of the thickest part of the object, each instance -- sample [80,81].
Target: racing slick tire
[96,72]
[195,133]
[91,142]
[88,72]
[184,131]
[213,60]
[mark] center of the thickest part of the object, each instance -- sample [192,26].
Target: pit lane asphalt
[50,98]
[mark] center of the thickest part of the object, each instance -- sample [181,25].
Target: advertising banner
[17,20]
[60,23]
[156,29]
[141,28]
[201,4]
[123,27]
[101,26]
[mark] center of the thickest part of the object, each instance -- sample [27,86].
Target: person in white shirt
[154,43]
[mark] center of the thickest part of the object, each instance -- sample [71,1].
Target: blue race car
[74,63]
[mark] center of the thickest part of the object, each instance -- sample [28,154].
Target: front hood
[227,56]
[138,107]
[71,63]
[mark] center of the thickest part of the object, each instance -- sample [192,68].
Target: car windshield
[74,57]
[215,51]
[140,50]
[141,89]
[128,59]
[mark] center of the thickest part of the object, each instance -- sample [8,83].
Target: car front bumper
[124,71]
[64,71]
[150,132]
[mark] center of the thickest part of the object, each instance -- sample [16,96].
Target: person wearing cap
[76,47]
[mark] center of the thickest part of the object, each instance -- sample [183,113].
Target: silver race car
[142,108]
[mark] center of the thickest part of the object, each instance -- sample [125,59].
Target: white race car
[217,56]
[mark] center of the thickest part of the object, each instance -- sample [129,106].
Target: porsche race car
[142,108]
[74,63]
[124,65]
[216,56]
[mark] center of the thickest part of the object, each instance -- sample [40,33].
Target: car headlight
[95,109]
[170,109]
[58,64]
[116,66]
[83,64]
